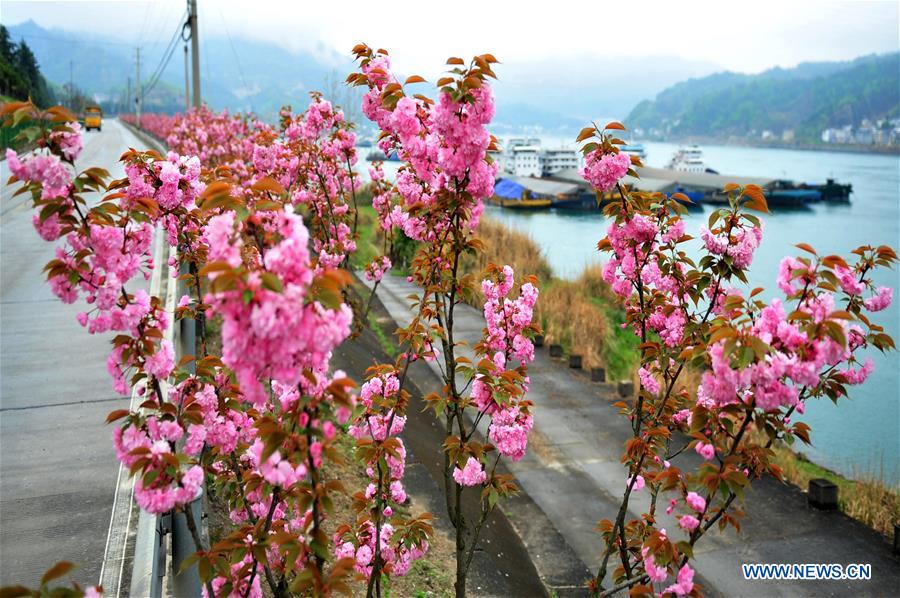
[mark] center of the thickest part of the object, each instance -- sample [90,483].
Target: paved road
[572,472]
[57,466]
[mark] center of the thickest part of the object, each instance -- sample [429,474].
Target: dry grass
[867,498]
[505,245]
[571,319]
[581,315]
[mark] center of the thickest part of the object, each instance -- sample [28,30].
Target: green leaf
[272,282]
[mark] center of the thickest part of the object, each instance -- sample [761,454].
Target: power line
[167,56]
[172,41]
[144,23]
[161,18]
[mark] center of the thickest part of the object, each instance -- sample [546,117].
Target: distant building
[556,160]
[787,135]
[842,135]
[767,135]
[526,158]
[865,135]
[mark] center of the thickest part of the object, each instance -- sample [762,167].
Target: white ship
[689,159]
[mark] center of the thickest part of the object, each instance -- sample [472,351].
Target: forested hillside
[20,74]
[805,99]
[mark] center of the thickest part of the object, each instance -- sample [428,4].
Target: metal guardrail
[157,562]
[161,542]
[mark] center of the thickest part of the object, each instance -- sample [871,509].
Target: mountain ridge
[805,99]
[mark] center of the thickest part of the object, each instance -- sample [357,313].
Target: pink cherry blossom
[604,171]
[684,583]
[470,475]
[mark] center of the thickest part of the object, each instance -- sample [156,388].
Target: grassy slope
[581,315]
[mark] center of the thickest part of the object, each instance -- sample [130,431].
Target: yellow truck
[93,118]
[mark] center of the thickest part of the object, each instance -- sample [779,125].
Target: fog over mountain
[546,95]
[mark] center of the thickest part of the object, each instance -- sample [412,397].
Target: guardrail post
[150,555]
[187,582]
[187,337]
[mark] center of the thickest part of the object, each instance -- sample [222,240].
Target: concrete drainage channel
[158,543]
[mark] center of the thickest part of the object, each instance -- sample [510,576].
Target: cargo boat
[521,193]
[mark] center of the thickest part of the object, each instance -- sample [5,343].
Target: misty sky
[741,36]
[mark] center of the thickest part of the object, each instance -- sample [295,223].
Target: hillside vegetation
[20,75]
[806,99]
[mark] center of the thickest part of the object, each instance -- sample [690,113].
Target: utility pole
[127,107]
[187,582]
[139,99]
[71,86]
[187,82]
[195,50]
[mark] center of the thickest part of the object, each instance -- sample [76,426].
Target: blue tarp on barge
[508,189]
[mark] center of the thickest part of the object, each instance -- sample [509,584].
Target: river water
[859,435]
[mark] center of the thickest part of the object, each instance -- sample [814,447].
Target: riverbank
[867,499]
[852,148]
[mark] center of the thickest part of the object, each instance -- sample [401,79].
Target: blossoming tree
[437,199]
[760,362]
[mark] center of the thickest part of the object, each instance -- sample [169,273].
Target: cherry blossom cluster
[506,342]
[604,170]
[269,329]
[158,125]
[377,430]
[443,144]
[320,176]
